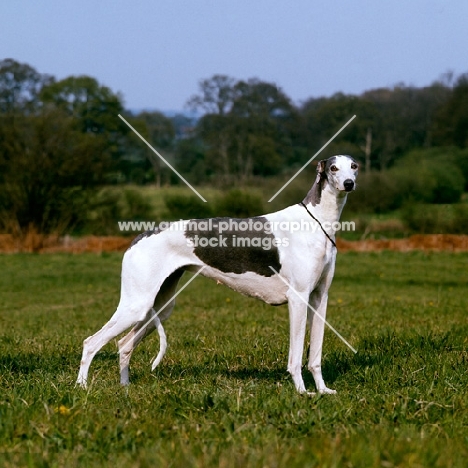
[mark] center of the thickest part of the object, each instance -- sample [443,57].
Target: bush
[462,162]
[239,204]
[376,192]
[422,176]
[436,219]
[111,205]
[449,185]
[431,176]
[186,207]
[235,203]
[134,206]
[48,172]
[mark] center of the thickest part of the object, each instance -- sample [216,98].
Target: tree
[324,116]
[57,140]
[216,95]
[405,114]
[247,128]
[95,107]
[191,159]
[390,122]
[214,128]
[47,169]
[216,132]
[451,121]
[159,131]
[20,85]
[269,120]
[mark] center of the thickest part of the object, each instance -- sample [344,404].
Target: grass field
[222,396]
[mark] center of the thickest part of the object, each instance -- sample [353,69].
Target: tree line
[252,128]
[62,139]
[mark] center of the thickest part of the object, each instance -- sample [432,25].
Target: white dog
[283,257]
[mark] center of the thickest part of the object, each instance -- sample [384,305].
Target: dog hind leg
[162,308]
[129,342]
[123,318]
[162,344]
[165,302]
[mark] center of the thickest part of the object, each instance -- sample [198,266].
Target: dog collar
[321,227]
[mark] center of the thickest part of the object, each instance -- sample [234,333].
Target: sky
[155,52]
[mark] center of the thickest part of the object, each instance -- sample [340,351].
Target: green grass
[222,396]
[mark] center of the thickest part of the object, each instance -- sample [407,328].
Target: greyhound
[266,257]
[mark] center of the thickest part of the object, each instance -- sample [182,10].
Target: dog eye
[333,168]
[354,166]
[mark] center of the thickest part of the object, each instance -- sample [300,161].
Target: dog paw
[303,391]
[81,384]
[327,391]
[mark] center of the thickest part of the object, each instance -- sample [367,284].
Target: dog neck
[314,195]
[325,202]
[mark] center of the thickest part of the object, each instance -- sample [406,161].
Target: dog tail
[162,343]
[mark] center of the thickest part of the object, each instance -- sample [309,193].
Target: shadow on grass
[381,350]
[174,371]
[24,363]
[385,349]
[273,375]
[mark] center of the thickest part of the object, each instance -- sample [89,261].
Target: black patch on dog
[235,250]
[314,195]
[142,236]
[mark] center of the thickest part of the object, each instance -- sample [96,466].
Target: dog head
[339,172]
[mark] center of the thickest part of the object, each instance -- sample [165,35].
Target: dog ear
[320,170]
[321,166]
[315,193]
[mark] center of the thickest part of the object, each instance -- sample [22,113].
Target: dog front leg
[297,324]
[317,330]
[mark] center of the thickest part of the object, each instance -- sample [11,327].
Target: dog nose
[348,185]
